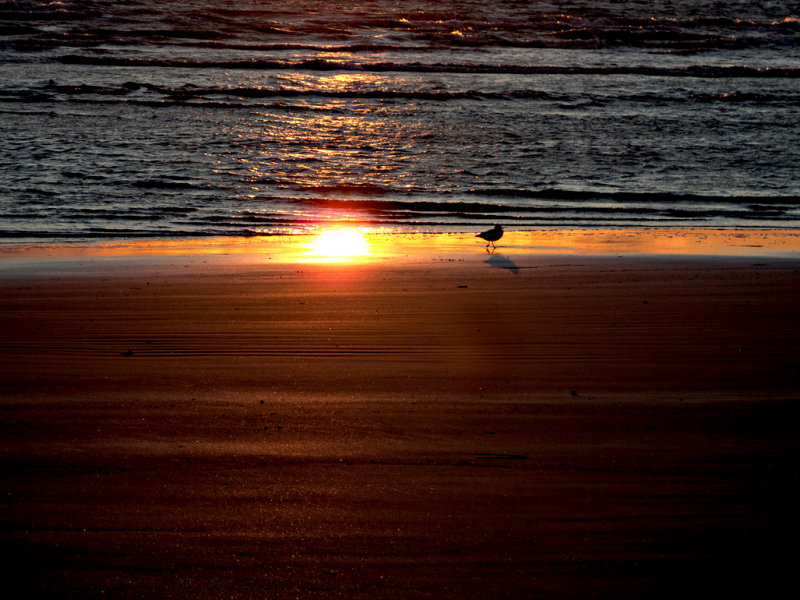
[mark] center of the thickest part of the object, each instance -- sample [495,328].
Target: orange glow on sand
[339,244]
[364,244]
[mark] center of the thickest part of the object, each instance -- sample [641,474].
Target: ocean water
[158,118]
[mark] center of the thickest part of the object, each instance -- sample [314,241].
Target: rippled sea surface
[212,117]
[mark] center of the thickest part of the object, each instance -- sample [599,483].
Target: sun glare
[339,244]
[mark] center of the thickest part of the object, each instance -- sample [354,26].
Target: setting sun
[340,243]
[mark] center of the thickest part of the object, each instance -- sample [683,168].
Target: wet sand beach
[439,423]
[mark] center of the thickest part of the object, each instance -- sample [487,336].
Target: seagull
[491,235]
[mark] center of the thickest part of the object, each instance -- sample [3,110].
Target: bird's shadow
[499,261]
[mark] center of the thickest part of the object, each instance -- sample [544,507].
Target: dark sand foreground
[558,427]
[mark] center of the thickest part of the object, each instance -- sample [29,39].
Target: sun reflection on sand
[338,245]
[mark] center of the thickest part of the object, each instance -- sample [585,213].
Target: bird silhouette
[491,235]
